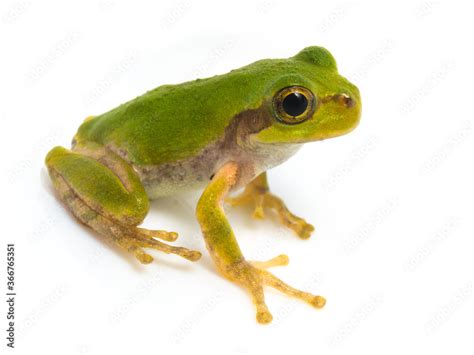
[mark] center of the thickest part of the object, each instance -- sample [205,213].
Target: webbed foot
[253,276]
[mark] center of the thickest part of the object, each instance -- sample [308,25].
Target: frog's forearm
[223,247]
[220,239]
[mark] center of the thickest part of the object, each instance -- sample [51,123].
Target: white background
[392,202]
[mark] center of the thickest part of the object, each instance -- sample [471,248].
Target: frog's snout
[344,110]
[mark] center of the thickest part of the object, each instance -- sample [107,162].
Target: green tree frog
[218,134]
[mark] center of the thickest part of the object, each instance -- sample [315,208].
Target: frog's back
[173,122]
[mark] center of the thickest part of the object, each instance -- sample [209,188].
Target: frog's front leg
[104,193]
[225,251]
[258,193]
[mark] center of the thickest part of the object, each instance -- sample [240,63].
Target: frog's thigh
[98,186]
[110,202]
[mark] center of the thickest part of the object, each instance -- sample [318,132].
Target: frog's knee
[135,211]
[54,153]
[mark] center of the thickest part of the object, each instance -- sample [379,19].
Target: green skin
[220,133]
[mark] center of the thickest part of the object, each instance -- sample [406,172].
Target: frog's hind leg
[104,193]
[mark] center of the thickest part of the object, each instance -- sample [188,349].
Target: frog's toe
[263,200]
[149,242]
[141,256]
[297,224]
[134,239]
[318,302]
[160,234]
[259,211]
[300,227]
[264,316]
[238,200]
[280,260]
[248,276]
[273,281]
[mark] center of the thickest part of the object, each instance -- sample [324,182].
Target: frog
[219,135]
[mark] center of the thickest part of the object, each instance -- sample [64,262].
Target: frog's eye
[294,104]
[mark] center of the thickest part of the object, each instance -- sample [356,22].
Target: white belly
[196,172]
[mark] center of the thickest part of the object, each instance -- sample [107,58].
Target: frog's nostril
[348,101]
[345,99]
[342,99]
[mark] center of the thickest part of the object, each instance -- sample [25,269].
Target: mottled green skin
[173,122]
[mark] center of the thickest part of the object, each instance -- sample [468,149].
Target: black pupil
[295,104]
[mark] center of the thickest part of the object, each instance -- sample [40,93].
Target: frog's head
[309,100]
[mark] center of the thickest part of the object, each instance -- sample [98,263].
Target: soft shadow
[179,206]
